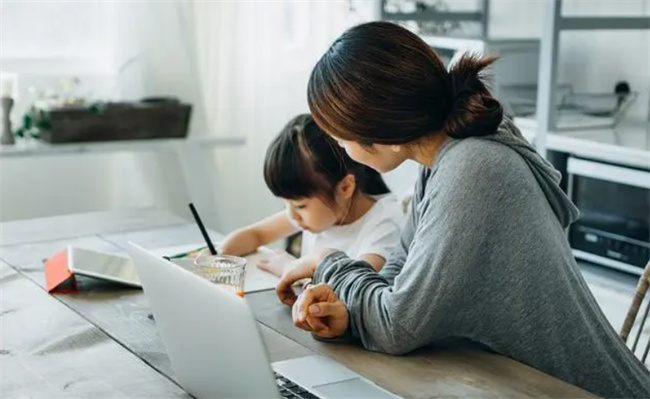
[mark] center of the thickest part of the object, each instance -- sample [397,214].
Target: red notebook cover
[58,276]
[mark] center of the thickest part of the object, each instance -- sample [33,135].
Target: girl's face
[311,214]
[314,214]
[380,157]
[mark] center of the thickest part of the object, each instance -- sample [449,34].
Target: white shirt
[377,232]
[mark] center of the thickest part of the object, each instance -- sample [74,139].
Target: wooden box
[117,121]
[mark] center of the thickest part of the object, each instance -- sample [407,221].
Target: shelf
[604,23]
[433,16]
[625,145]
[31,147]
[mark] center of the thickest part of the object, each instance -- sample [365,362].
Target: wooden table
[100,343]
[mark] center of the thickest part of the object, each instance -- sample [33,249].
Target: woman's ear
[396,148]
[347,186]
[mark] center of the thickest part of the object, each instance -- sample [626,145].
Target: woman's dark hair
[380,83]
[304,162]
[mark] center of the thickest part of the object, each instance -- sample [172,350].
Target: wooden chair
[641,291]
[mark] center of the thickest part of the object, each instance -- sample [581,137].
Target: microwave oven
[614,225]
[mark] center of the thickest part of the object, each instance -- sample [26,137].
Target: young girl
[335,202]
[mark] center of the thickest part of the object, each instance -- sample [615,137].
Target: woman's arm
[433,288]
[246,240]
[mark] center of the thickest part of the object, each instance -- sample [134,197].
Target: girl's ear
[347,186]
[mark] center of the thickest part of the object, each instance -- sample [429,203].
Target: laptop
[215,347]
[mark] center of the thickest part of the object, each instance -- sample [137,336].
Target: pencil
[206,237]
[184,254]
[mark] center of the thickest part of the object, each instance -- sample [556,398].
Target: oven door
[614,225]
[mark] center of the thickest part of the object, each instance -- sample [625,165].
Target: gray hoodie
[484,257]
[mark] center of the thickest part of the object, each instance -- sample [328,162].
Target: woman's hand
[319,310]
[304,267]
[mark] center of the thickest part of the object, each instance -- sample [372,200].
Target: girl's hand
[304,267]
[277,263]
[319,310]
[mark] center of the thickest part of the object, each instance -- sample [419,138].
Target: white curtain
[152,55]
[254,59]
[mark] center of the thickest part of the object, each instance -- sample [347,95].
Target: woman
[484,255]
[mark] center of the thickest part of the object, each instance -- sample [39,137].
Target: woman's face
[380,157]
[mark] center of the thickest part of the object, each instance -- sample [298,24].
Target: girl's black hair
[304,162]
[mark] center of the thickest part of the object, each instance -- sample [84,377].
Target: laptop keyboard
[290,390]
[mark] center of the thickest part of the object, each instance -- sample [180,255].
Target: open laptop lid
[210,335]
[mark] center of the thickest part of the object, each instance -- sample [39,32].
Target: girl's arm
[381,245]
[282,262]
[246,240]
